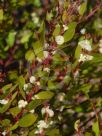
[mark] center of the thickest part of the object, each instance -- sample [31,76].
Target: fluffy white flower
[89,57]
[46,69]
[100,50]
[46,53]
[38,83]
[3,101]
[46,45]
[35,20]
[47,110]
[39,131]
[22,103]
[42,124]
[61,96]
[85,44]
[65,27]
[85,58]
[32,111]
[38,59]
[32,79]
[4,133]
[25,86]
[36,97]
[54,52]
[100,43]
[59,39]
[82,31]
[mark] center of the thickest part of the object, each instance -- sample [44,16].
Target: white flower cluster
[85,57]
[3,101]
[32,80]
[61,96]
[82,31]
[46,69]
[46,45]
[85,44]
[46,54]
[39,60]
[42,125]
[65,27]
[100,46]
[35,19]
[59,39]
[48,111]
[22,104]
[4,133]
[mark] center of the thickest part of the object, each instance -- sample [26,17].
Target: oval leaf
[68,35]
[27,120]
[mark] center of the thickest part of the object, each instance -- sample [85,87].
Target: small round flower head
[26,86]
[89,57]
[3,101]
[61,96]
[47,110]
[22,104]
[39,131]
[38,59]
[85,58]
[33,14]
[85,44]
[32,79]
[65,27]
[36,20]
[100,50]
[32,111]
[46,69]
[38,83]
[100,43]
[82,31]
[42,124]
[59,39]
[46,45]
[46,54]
[4,133]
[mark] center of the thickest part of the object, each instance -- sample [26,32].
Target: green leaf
[54,132]
[11,38]
[78,52]
[27,120]
[14,111]
[38,49]
[29,56]
[6,107]
[21,82]
[88,134]
[82,8]
[95,128]
[5,122]
[33,104]
[45,95]
[1,14]
[57,30]
[26,37]
[37,3]
[6,87]
[42,33]
[68,35]
[13,127]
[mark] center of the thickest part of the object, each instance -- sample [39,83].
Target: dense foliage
[50,67]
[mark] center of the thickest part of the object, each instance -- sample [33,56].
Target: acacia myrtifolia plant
[51,68]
